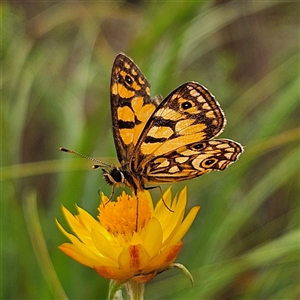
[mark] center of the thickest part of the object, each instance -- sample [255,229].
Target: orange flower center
[127,215]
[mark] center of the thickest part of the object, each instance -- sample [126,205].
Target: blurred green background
[56,63]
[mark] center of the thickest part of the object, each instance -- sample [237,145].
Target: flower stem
[135,290]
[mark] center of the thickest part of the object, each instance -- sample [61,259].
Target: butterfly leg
[111,194]
[137,214]
[161,193]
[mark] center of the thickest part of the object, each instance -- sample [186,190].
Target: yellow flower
[125,245]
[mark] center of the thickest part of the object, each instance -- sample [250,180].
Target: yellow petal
[134,258]
[104,245]
[176,218]
[164,259]
[90,222]
[114,273]
[82,251]
[152,236]
[146,194]
[71,237]
[170,220]
[77,255]
[160,208]
[172,226]
[136,239]
[185,225]
[183,195]
[74,223]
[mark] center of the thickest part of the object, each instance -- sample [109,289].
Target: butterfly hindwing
[191,160]
[131,105]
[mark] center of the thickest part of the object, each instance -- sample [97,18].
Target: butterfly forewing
[189,114]
[131,105]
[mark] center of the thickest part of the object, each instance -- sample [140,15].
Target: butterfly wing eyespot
[198,146]
[209,162]
[186,105]
[128,79]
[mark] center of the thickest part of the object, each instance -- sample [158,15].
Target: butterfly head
[120,176]
[114,176]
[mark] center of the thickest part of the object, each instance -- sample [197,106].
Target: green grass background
[56,61]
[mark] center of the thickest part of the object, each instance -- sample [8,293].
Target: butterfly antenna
[100,163]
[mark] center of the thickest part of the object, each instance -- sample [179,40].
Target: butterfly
[163,140]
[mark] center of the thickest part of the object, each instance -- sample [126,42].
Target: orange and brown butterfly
[163,140]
